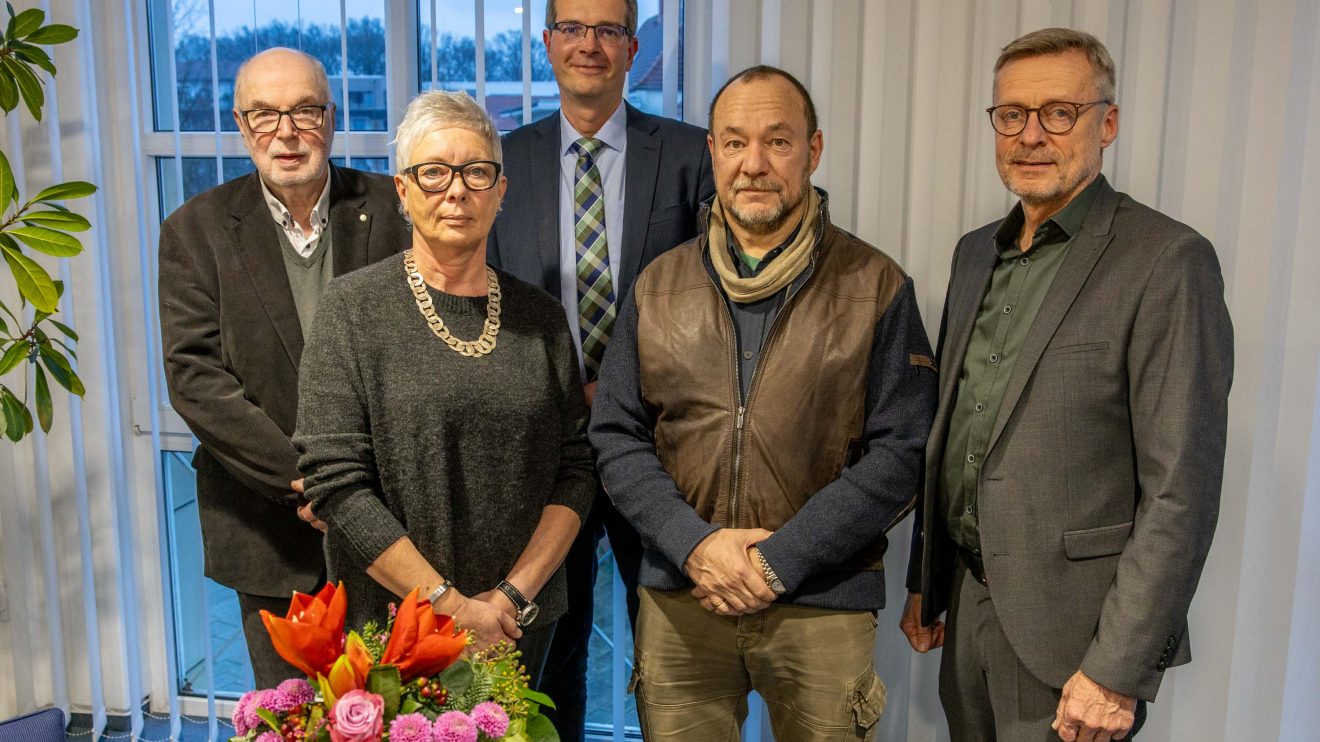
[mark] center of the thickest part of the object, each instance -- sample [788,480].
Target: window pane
[242,29]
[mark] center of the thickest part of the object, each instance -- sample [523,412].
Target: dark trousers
[565,677]
[987,693]
[268,667]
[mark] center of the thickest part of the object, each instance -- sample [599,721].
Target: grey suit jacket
[668,176]
[1100,489]
[232,343]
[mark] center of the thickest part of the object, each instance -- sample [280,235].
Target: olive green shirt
[1017,287]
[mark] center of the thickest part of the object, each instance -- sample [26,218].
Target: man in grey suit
[596,192]
[242,267]
[1074,467]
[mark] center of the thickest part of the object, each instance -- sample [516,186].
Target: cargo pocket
[868,702]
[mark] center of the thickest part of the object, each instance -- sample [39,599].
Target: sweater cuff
[681,537]
[790,561]
[363,522]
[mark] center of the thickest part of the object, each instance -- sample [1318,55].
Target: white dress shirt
[305,244]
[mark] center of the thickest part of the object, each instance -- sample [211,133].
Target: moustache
[756,184]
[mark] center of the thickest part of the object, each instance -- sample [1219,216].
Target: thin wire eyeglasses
[1055,117]
[436,176]
[609,34]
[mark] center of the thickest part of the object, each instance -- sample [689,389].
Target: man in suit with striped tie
[589,206]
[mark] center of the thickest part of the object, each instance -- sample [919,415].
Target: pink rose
[357,717]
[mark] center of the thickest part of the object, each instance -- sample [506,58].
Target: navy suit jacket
[668,176]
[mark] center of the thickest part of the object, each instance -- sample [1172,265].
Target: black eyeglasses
[435,177]
[266,120]
[1056,117]
[609,34]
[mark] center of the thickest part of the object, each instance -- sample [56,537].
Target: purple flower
[278,701]
[299,690]
[454,726]
[491,719]
[410,728]
[269,737]
[245,713]
[357,717]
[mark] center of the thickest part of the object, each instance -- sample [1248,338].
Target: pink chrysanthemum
[297,689]
[245,713]
[278,701]
[410,728]
[454,726]
[269,737]
[491,719]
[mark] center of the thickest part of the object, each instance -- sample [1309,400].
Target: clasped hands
[728,576]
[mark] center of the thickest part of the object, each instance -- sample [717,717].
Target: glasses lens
[263,120]
[1009,120]
[1057,118]
[307,117]
[433,176]
[479,175]
[610,34]
[572,31]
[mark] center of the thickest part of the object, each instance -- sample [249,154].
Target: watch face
[527,615]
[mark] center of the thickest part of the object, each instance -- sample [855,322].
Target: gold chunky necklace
[490,330]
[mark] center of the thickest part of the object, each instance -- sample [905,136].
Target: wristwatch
[527,610]
[771,579]
[438,592]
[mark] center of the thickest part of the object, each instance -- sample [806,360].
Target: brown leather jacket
[756,464]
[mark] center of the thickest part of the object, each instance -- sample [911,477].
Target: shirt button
[994,358]
[1025,261]
[969,509]
[747,355]
[1008,309]
[971,458]
[980,407]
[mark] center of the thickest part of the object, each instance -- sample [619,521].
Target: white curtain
[1219,103]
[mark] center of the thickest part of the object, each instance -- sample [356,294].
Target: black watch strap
[512,593]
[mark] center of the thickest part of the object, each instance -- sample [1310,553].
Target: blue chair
[46,725]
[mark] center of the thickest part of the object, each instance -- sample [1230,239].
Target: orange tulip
[349,672]
[421,643]
[311,636]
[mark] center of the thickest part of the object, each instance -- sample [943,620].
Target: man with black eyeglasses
[242,267]
[1073,471]
[596,192]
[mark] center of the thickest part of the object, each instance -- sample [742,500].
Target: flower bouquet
[404,682]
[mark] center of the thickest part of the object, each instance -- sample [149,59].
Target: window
[192,144]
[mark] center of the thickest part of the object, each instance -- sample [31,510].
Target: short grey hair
[318,70]
[443,109]
[1060,40]
[629,15]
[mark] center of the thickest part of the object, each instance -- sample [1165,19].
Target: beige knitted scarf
[779,273]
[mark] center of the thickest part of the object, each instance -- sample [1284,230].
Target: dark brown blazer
[232,344]
[1100,489]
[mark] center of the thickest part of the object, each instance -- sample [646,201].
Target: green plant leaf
[7,183]
[14,426]
[13,356]
[49,241]
[384,681]
[539,729]
[55,33]
[34,283]
[456,678]
[29,87]
[59,367]
[68,331]
[537,697]
[34,55]
[65,221]
[23,24]
[62,191]
[271,719]
[8,90]
[45,410]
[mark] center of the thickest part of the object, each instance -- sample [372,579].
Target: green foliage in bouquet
[43,224]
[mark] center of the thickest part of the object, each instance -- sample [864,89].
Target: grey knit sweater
[401,436]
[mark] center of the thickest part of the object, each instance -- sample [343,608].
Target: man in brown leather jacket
[761,416]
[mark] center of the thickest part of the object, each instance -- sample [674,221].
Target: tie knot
[587,146]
